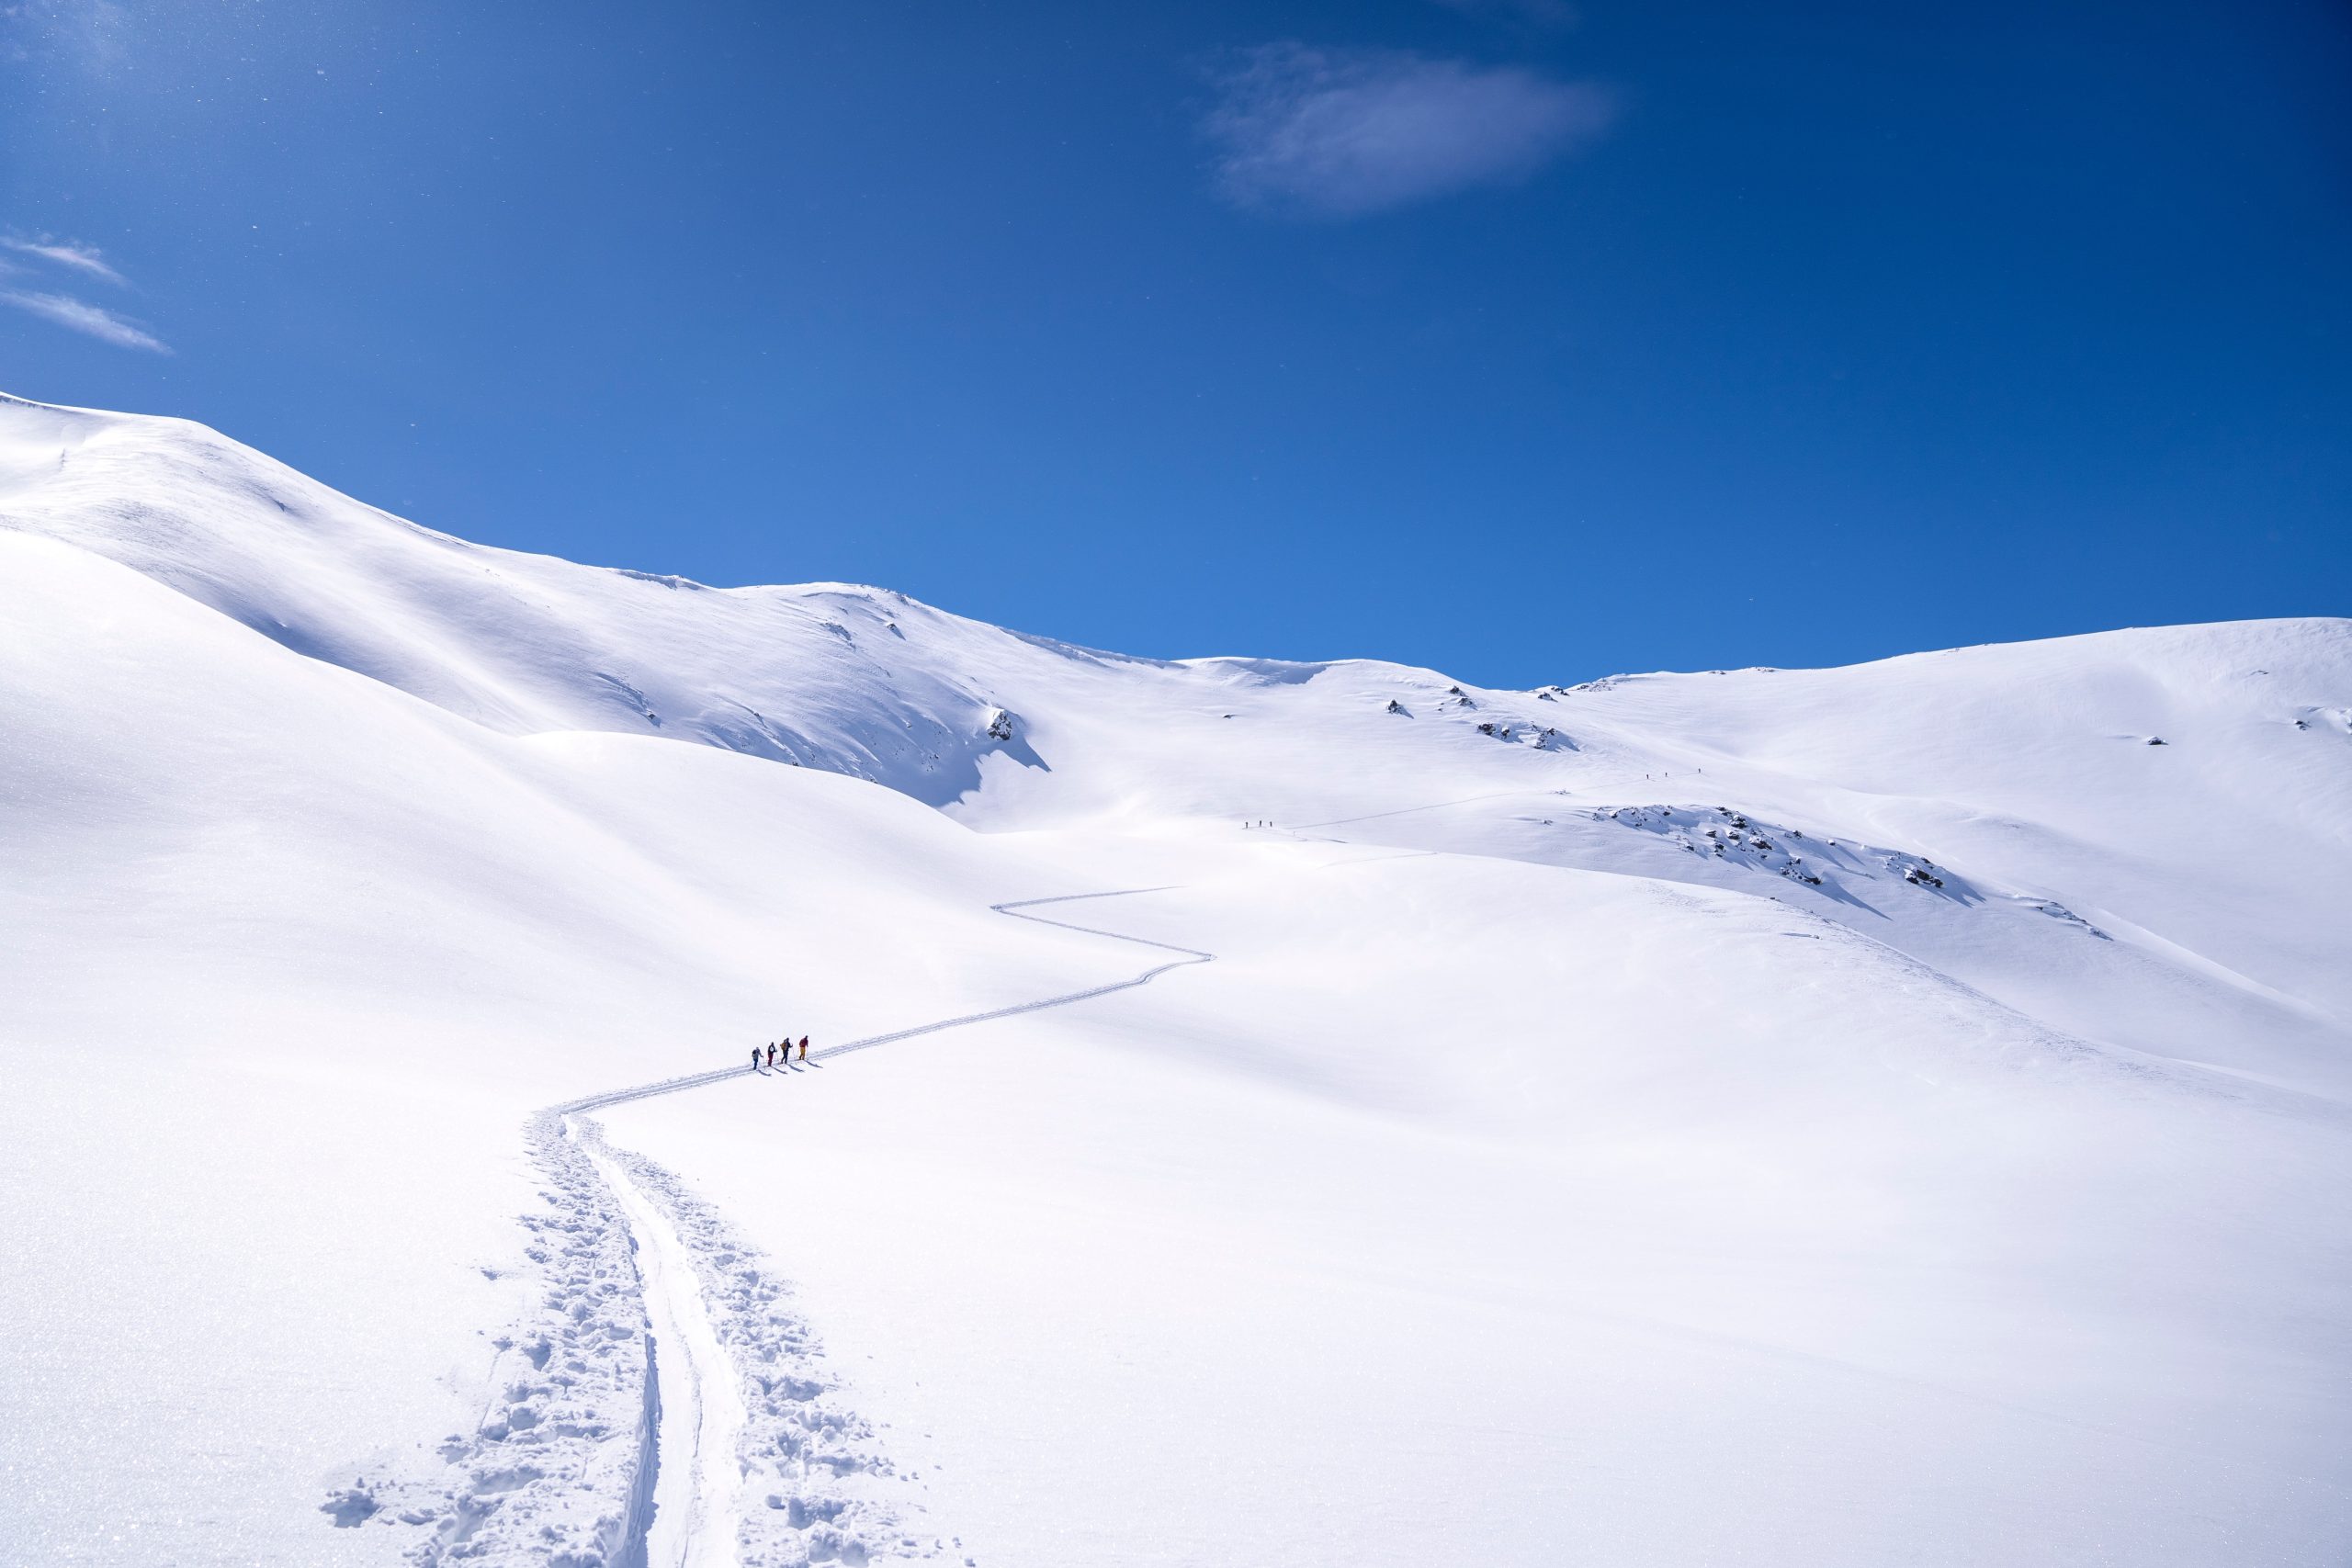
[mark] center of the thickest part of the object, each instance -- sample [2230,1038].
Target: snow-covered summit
[870,682]
[2186,766]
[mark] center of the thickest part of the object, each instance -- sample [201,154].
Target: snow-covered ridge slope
[816,675]
[1822,1118]
[870,682]
[2184,792]
[855,679]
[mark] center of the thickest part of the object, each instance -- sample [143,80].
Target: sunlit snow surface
[1843,1117]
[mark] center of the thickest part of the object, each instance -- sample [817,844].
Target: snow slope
[1892,1114]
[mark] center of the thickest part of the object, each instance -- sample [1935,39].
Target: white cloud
[1343,132]
[67,252]
[94,320]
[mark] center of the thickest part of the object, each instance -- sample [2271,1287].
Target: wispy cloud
[93,34]
[67,252]
[1338,133]
[82,317]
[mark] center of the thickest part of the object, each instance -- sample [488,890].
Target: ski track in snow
[700,1413]
[663,1407]
[718,1074]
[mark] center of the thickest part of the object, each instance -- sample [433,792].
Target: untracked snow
[1896,1114]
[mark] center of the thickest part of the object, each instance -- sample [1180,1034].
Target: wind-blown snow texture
[1890,1113]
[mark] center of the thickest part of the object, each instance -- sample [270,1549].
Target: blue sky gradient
[1526,341]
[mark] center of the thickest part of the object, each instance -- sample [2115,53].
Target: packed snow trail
[700,1415]
[717,1075]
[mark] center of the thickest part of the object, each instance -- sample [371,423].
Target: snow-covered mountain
[1889,1114]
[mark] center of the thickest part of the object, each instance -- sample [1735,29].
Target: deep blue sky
[1528,343]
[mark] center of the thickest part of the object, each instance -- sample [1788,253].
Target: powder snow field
[1898,1113]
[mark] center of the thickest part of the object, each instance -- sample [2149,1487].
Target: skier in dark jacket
[755,1059]
[804,1047]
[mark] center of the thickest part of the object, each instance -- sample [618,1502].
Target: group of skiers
[773,1049]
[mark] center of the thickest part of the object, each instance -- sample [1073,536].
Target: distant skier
[771,1053]
[804,1047]
[755,1059]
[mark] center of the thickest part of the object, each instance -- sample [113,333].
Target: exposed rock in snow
[1721,833]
